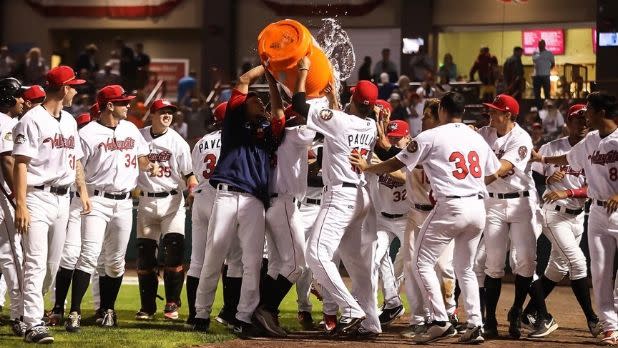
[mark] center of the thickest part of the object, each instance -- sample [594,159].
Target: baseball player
[563,213]
[204,156]
[33,97]
[47,155]
[11,256]
[161,212]
[512,215]
[114,153]
[345,207]
[596,156]
[288,184]
[241,180]
[456,170]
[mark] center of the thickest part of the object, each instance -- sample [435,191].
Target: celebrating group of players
[306,187]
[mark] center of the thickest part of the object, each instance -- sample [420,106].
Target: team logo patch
[326,114]
[392,127]
[522,151]
[8,136]
[412,146]
[20,139]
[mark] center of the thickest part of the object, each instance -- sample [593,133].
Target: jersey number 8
[462,168]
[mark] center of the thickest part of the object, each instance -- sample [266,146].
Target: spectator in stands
[88,86]
[421,65]
[403,84]
[88,60]
[364,72]
[529,119]
[187,89]
[128,67]
[142,62]
[442,87]
[427,88]
[448,69]
[513,71]
[552,119]
[385,87]
[106,77]
[35,68]
[538,136]
[385,66]
[180,125]
[485,65]
[399,110]
[543,63]
[415,112]
[7,63]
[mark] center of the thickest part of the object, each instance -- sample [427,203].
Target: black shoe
[38,334]
[528,320]
[144,315]
[72,324]
[269,322]
[246,330]
[306,321]
[201,325]
[514,318]
[435,332]
[390,314]
[98,316]
[226,319]
[473,335]
[544,327]
[109,319]
[347,325]
[363,334]
[490,329]
[18,327]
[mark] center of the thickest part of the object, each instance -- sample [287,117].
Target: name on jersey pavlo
[112,144]
[59,141]
[360,140]
[209,145]
[163,156]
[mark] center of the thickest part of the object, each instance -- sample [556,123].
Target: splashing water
[337,46]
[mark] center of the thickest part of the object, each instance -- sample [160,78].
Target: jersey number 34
[464,167]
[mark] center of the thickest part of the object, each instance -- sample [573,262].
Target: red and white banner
[322,8]
[169,70]
[107,8]
[554,40]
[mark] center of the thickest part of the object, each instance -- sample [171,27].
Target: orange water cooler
[282,44]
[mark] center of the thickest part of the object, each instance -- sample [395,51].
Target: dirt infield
[562,304]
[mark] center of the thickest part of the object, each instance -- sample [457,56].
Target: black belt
[228,187]
[472,195]
[509,195]
[423,207]
[57,190]
[600,203]
[159,194]
[349,184]
[313,201]
[116,196]
[391,216]
[567,210]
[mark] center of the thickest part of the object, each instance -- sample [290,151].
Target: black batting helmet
[10,88]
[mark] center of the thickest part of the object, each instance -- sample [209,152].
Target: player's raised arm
[299,99]
[277,120]
[247,78]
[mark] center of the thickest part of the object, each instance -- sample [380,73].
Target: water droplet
[337,46]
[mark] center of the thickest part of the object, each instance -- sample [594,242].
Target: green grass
[158,333]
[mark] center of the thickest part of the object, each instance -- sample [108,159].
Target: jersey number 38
[463,167]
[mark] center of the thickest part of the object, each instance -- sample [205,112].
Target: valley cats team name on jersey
[110,156]
[515,147]
[6,141]
[51,144]
[289,176]
[573,179]
[343,134]
[173,155]
[454,168]
[391,197]
[598,158]
[205,155]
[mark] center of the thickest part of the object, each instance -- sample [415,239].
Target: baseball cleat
[109,319]
[316,293]
[473,335]
[201,325]
[413,330]
[98,316]
[18,327]
[246,330]
[347,325]
[514,318]
[363,334]
[38,334]
[390,314]
[595,327]
[490,329]
[435,332]
[544,327]
[73,321]
[329,322]
[143,315]
[269,322]
[171,311]
[306,321]
[54,317]
[226,319]
[610,338]
[528,320]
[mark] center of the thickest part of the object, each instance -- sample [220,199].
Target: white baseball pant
[602,241]
[3,290]
[461,220]
[513,220]
[158,216]
[11,259]
[419,311]
[387,230]
[105,235]
[308,214]
[339,226]
[49,214]
[239,215]
[564,231]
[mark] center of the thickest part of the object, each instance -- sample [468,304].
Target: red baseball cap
[384,104]
[365,93]
[33,93]
[162,104]
[397,129]
[112,93]
[577,110]
[63,75]
[504,102]
[219,112]
[82,119]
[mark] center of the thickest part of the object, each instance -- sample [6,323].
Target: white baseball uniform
[158,215]
[512,208]
[345,208]
[563,221]
[53,146]
[598,158]
[11,255]
[456,171]
[111,170]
